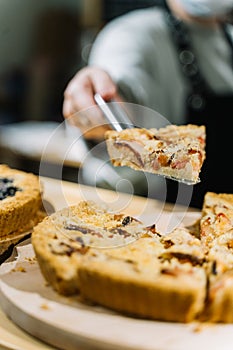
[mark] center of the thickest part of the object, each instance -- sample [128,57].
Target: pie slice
[217,218]
[219,303]
[159,278]
[177,152]
[113,260]
[61,240]
[216,233]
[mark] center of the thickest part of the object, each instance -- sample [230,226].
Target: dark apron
[204,107]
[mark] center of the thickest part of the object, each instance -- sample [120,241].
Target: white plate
[46,141]
[67,323]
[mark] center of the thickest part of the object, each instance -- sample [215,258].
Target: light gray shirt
[138,52]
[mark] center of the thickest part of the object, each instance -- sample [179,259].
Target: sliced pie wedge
[176,152]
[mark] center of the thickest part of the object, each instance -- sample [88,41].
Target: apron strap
[188,61]
[203,107]
[225,29]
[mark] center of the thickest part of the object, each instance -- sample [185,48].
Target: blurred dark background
[43,44]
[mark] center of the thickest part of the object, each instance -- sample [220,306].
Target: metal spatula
[114,114]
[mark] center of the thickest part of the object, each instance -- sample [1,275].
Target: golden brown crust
[61,240]
[17,211]
[216,232]
[217,217]
[144,278]
[152,266]
[173,151]
[219,304]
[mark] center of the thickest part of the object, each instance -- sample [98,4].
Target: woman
[176,59]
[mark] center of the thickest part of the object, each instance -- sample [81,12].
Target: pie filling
[7,189]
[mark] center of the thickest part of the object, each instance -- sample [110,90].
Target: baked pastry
[62,239]
[177,152]
[20,205]
[217,217]
[157,278]
[216,233]
[115,261]
[219,303]
[87,247]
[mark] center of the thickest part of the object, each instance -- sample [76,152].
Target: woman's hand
[80,91]
[79,105]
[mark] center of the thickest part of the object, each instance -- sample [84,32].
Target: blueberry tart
[20,204]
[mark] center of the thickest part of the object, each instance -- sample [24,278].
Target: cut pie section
[177,152]
[146,274]
[61,240]
[155,278]
[113,260]
[216,233]
[217,217]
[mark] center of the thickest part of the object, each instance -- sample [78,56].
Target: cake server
[114,114]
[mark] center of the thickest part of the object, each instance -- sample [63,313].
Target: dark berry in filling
[7,189]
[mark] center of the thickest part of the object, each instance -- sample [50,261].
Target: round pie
[20,201]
